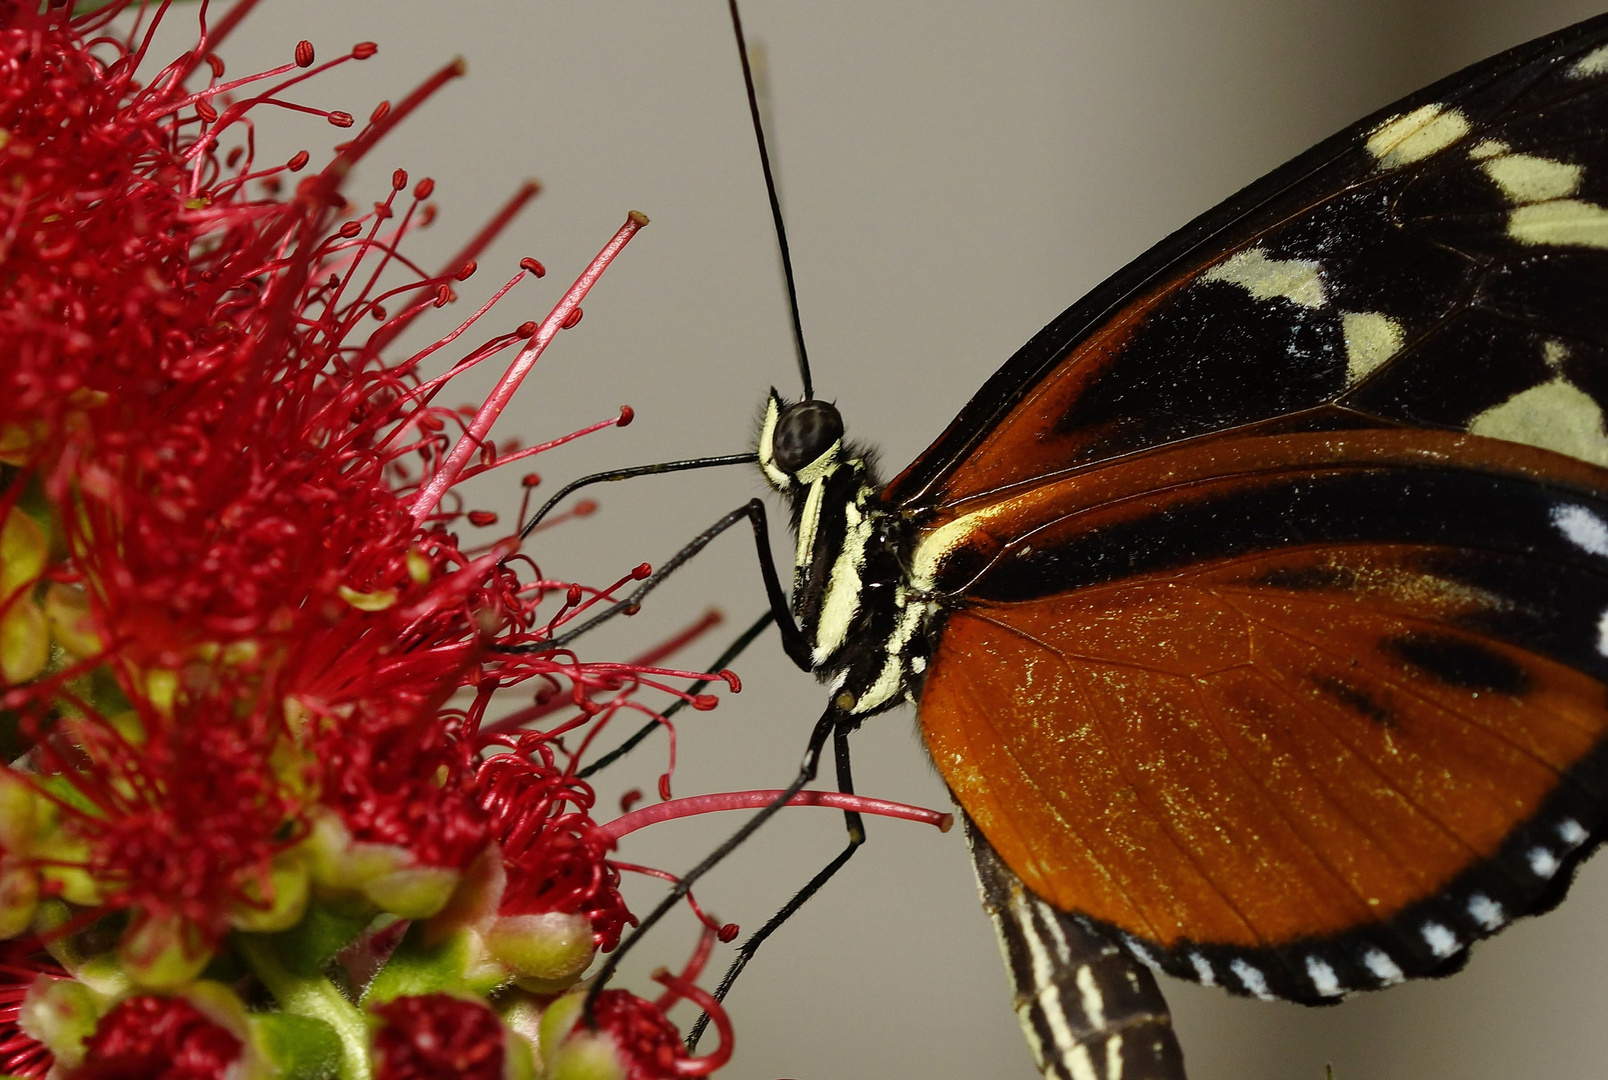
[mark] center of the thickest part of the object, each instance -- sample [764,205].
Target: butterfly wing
[1428,266]
[1275,573]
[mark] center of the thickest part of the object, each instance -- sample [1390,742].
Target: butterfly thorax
[867,629]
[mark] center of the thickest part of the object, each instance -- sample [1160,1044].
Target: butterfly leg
[1088,1009]
[825,726]
[793,640]
[856,830]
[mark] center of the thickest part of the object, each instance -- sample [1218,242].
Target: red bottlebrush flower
[255,577]
[431,1036]
[157,1038]
[552,854]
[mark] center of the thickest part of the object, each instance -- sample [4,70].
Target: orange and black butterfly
[1256,611]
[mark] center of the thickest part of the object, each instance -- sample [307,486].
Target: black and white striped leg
[1089,1010]
[856,829]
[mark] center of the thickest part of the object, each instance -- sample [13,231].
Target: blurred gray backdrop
[954,175]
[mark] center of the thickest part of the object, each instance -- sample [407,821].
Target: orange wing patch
[1274,749]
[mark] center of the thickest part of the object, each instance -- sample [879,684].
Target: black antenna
[775,203]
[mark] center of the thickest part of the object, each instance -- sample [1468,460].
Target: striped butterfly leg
[1088,1009]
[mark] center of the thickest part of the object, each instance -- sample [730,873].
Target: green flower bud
[569,1051]
[163,952]
[61,1014]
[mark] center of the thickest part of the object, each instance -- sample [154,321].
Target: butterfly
[1256,611]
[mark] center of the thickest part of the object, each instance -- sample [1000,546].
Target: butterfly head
[799,442]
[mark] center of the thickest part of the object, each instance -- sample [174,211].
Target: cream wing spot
[1371,339]
[1324,980]
[1525,178]
[1571,832]
[1441,941]
[1582,528]
[1295,280]
[1485,911]
[1543,864]
[1560,223]
[1591,65]
[1203,969]
[1487,148]
[1602,634]
[1554,416]
[1251,978]
[1383,968]
[1413,136]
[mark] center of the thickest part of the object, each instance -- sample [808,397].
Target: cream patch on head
[1371,339]
[1556,416]
[1525,178]
[1560,223]
[1413,136]
[767,446]
[1296,280]
[1592,64]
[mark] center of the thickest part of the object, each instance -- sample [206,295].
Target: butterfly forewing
[1424,267]
[1273,577]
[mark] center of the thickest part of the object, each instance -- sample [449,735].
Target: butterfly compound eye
[803,433]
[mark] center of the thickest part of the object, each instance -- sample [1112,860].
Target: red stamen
[450,470]
[752,800]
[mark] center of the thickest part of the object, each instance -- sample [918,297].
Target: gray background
[954,175]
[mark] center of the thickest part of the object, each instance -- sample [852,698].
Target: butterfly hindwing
[1291,774]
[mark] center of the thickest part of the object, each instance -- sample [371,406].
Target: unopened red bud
[297,163]
[399,179]
[378,311]
[627,414]
[205,111]
[467,271]
[380,112]
[427,215]
[350,229]
[341,119]
[534,267]
[704,702]
[304,53]
[424,188]
[729,932]
[525,330]
[573,596]
[571,320]
[530,480]
[641,570]
[482,518]
[364,49]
